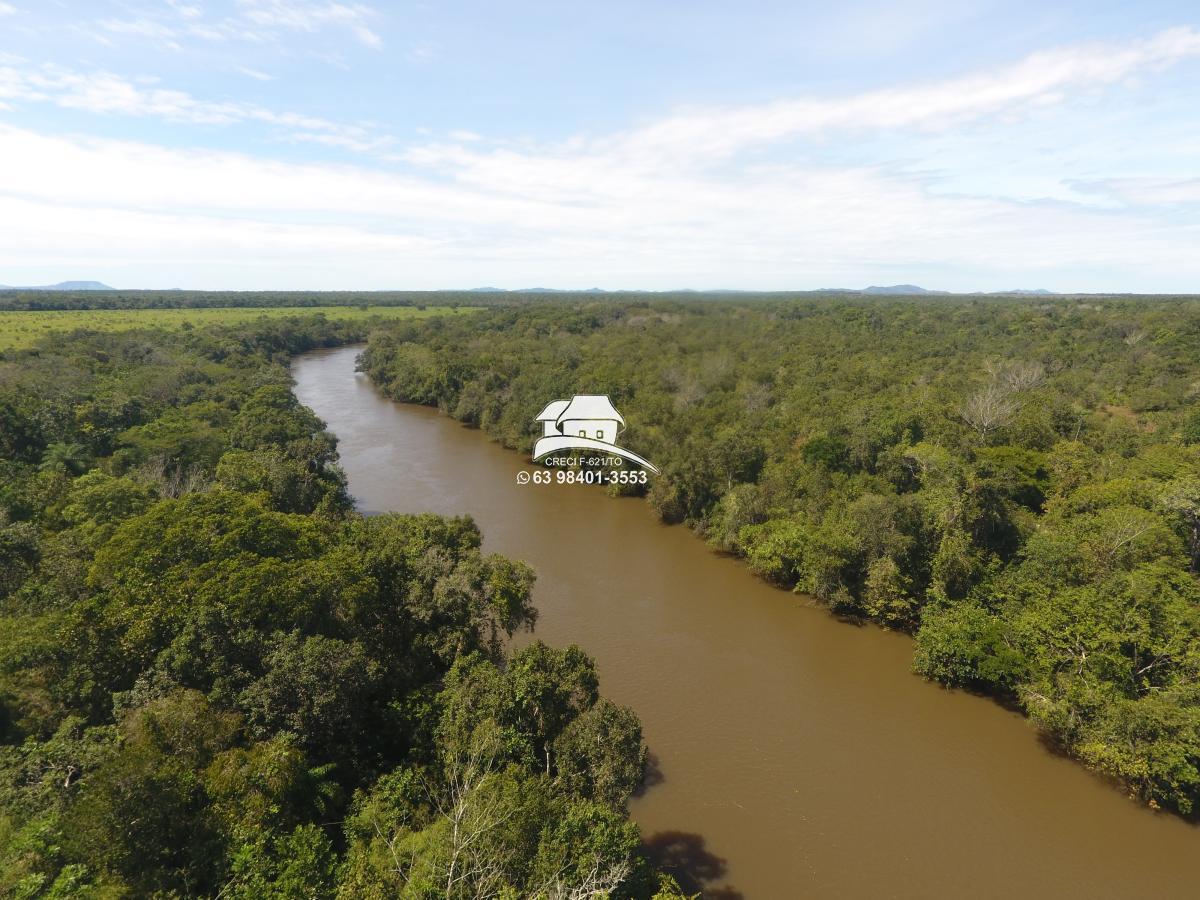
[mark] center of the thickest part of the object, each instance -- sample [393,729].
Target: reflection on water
[795,756]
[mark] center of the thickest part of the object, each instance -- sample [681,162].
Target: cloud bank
[704,197]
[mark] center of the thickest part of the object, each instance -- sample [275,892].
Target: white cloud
[367,36]
[709,147]
[422,53]
[1149,191]
[1042,78]
[144,28]
[296,15]
[186,10]
[255,74]
[65,202]
[106,93]
[7,9]
[686,201]
[255,21]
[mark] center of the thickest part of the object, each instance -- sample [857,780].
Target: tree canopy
[1013,480]
[217,679]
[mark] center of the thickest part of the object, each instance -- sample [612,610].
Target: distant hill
[910,289]
[898,289]
[62,286]
[543,290]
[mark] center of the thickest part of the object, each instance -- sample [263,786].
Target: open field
[20,329]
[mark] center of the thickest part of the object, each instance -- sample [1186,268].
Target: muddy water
[798,757]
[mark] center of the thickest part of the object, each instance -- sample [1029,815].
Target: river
[795,755]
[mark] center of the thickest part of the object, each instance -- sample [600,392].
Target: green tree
[142,814]
[600,754]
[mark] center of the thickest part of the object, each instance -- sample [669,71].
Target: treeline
[1016,482]
[25,299]
[16,299]
[216,679]
[31,300]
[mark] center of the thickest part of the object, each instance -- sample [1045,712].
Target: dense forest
[1015,481]
[217,679]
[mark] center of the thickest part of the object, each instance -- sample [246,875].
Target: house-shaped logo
[585,422]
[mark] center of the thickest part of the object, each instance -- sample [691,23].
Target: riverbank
[797,755]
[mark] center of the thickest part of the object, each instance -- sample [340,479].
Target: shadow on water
[687,857]
[1057,748]
[653,775]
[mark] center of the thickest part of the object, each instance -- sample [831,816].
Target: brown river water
[796,755]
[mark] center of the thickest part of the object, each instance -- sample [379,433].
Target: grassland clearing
[21,329]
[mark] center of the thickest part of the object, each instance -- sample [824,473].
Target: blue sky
[768,145]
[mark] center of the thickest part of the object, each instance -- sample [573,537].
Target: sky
[656,144]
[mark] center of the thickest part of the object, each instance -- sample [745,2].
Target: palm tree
[71,458]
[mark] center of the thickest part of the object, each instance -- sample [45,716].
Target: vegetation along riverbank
[1015,481]
[217,679]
